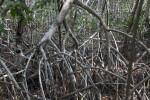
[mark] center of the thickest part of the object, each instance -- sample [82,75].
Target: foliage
[43,3]
[2,29]
[19,9]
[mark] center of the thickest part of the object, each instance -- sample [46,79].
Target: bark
[126,41]
[60,3]
[133,45]
[20,28]
[19,32]
[147,15]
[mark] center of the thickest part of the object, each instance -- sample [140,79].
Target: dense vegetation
[74,49]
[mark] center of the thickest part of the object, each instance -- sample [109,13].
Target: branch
[133,51]
[79,3]
[145,79]
[129,36]
[55,24]
[10,74]
[59,20]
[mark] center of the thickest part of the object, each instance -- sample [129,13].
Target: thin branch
[139,84]
[10,74]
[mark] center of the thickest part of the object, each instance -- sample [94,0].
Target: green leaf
[24,22]
[9,3]
[28,11]
[84,20]
[24,6]
[1,26]
[30,18]
[22,13]
[14,5]
[13,12]
[2,29]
